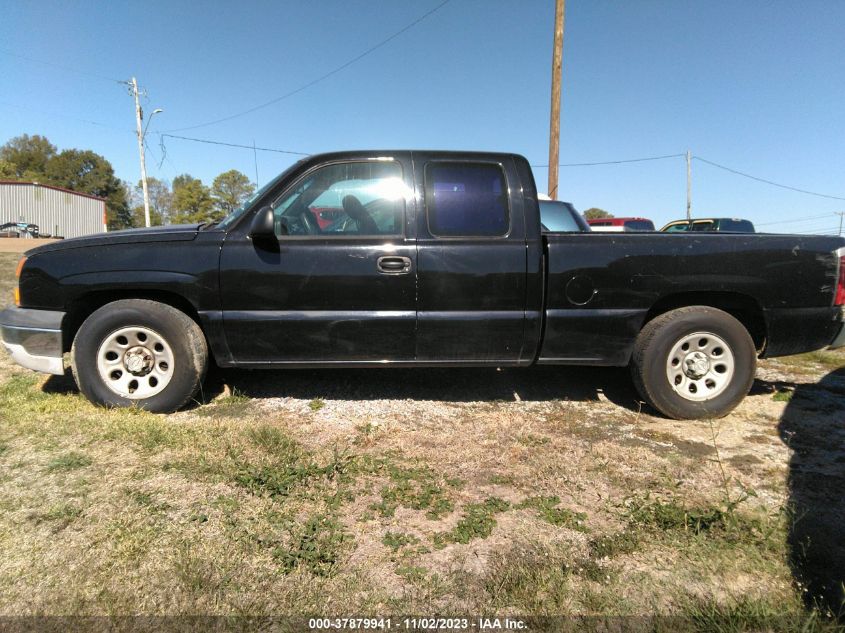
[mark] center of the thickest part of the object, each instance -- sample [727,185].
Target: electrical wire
[616,162]
[768,182]
[65,116]
[321,77]
[60,66]
[805,219]
[164,135]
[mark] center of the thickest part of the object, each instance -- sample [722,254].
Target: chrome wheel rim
[700,366]
[135,362]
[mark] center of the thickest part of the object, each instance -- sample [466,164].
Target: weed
[477,522]
[235,397]
[397,540]
[272,440]
[69,461]
[611,545]
[502,480]
[532,440]
[316,404]
[148,501]
[561,517]
[316,546]
[412,573]
[672,515]
[61,515]
[783,395]
[415,488]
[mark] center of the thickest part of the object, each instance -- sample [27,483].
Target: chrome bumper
[34,338]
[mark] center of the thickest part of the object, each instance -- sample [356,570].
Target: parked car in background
[725,225]
[561,217]
[621,224]
[327,215]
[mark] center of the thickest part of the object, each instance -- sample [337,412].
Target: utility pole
[689,185]
[139,116]
[554,119]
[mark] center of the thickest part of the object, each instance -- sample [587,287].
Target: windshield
[235,215]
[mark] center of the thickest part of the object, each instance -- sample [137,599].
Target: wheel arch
[744,308]
[85,305]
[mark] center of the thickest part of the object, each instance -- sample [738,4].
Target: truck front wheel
[136,352]
[694,362]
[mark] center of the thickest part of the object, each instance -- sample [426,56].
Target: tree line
[35,159]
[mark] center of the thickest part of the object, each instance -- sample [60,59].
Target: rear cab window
[639,225]
[466,199]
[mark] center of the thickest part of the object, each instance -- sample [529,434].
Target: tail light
[17,290]
[839,298]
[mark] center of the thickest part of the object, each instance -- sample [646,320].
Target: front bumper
[34,338]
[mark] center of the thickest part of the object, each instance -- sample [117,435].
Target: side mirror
[263,223]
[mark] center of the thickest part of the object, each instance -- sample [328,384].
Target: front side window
[357,198]
[466,199]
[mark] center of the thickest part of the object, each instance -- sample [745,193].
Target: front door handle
[394,265]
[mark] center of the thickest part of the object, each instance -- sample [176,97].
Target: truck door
[471,260]
[340,284]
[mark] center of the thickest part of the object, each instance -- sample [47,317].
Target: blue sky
[756,86]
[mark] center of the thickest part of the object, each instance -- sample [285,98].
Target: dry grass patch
[341,497]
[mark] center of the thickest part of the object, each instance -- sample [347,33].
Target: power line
[804,219]
[162,136]
[615,162]
[321,77]
[768,182]
[64,116]
[61,66]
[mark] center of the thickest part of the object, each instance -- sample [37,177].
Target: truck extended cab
[437,258]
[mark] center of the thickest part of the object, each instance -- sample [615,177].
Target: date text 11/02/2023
[419,624]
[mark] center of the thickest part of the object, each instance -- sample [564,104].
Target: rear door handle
[394,265]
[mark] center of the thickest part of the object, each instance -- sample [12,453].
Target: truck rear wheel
[694,362]
[136,352]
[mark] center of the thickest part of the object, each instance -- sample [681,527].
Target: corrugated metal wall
[54,211]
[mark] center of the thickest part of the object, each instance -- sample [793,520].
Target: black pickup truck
[419,258]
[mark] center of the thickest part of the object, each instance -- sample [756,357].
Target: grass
[561,517]
[783,395]
[385,506]
[69,461]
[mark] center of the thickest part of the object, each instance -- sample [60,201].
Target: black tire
[184,338]
[662,336]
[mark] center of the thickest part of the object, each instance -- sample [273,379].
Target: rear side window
[466,199]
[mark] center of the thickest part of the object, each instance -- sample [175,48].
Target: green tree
[229,191]
[28,155]
[594,213]
[161,201]
[191,200]
[87,172]
[7,170]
